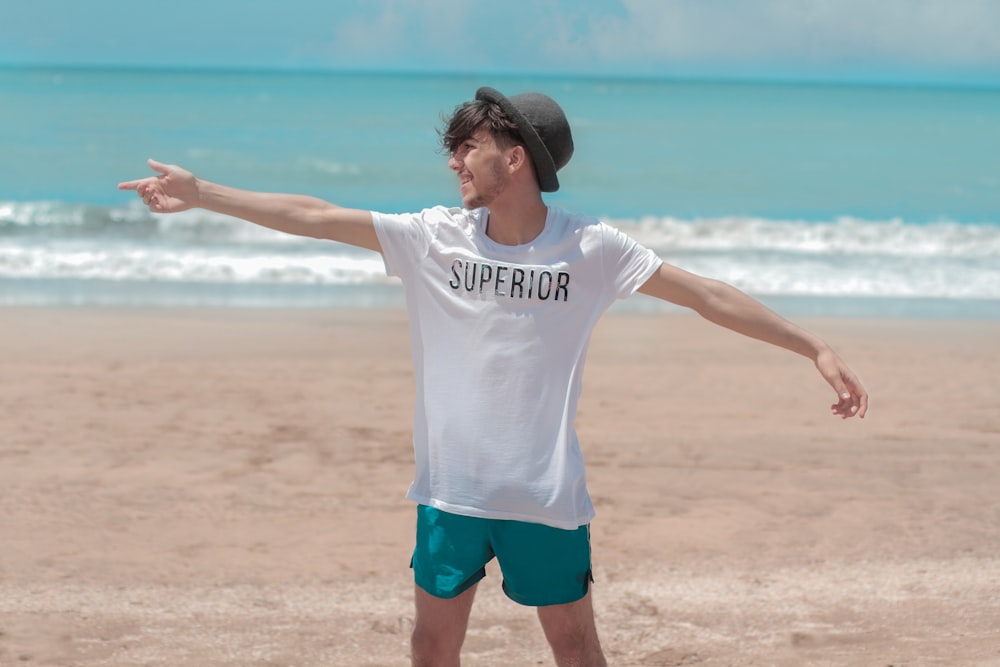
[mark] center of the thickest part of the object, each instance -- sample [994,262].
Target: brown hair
[469,117]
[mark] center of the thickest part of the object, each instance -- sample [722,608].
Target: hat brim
[545,168]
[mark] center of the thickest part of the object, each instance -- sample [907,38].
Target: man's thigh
[572,632]
[451,552]
[542,565]
[439,626]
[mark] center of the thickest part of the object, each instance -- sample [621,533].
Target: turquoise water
[820,198]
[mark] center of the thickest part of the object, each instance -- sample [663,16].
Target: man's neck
[516,222]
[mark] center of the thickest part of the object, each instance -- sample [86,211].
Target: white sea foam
[846,257]
[136,263]
[845,236]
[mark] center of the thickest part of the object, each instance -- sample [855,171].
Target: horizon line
[908,82]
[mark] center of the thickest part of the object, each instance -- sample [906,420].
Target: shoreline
[225,487]
[114,295]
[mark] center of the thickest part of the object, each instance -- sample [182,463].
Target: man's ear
[517,158]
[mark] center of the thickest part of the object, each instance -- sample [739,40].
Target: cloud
[961,33]
[405,32]
[846,39]
[836,38]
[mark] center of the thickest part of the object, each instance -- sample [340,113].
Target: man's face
[481,168]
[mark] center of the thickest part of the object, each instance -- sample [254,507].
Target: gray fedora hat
[544,129]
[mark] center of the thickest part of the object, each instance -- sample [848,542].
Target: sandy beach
[225,488]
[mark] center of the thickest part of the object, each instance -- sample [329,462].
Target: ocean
[818,199]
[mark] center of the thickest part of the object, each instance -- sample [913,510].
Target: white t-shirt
[499,336]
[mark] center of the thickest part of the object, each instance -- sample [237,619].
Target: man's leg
[572,633]
[439,628]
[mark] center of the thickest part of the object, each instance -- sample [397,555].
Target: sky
[952,42]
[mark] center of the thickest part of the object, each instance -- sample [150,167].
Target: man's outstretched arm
[727,306]
[175,189]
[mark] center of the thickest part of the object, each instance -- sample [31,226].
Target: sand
[209,487]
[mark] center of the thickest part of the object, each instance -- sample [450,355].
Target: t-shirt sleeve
[627,264]
[404,240]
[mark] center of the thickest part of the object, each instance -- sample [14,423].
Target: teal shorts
[541,565]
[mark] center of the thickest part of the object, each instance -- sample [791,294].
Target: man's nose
[454,163]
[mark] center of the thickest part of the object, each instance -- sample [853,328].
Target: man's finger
[158,167]
[862,405]
[851,404]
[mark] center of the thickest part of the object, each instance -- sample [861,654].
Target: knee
[576,648]
[569,651]
[433,649]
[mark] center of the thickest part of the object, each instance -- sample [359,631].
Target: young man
[502,295]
